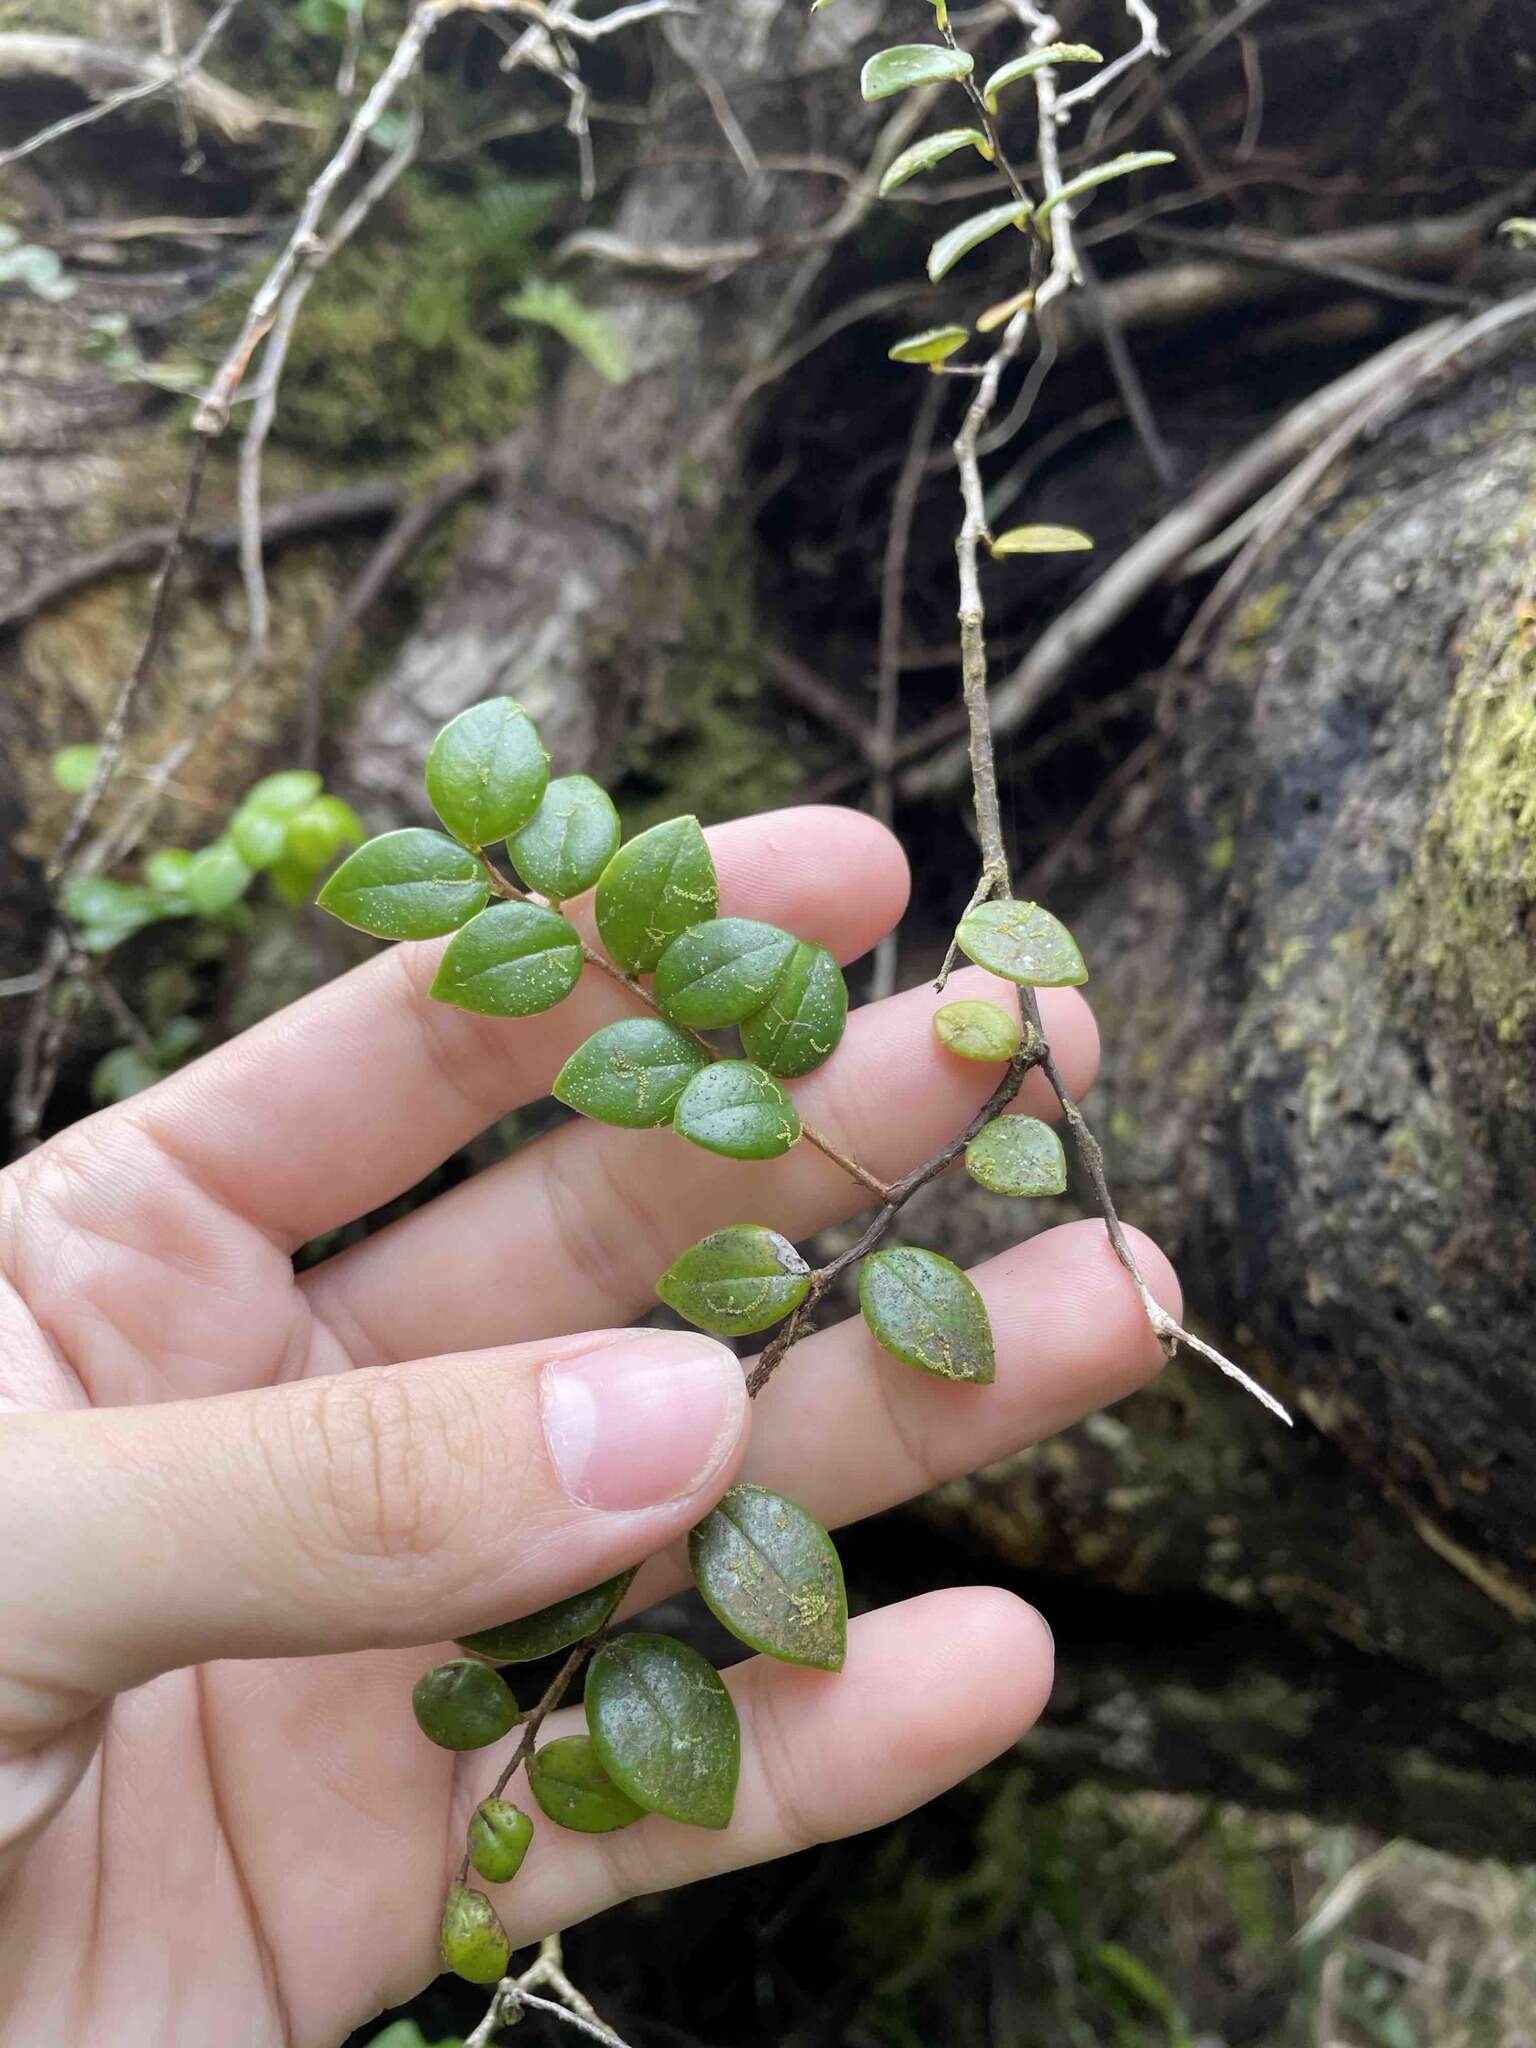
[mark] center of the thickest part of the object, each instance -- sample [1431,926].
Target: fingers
[347,1098]
[576,1228]
[932,1689]
[360,1510]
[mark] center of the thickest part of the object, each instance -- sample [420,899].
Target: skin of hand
[242,1509]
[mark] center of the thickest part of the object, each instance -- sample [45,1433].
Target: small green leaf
[590,332]
[1021,942]
[413,884]
[970,234]
[215,879]
[909,64]
[567,1778]
[1040,540]
[1037,60]
[922,156]
[463,1705]
[317,833]
[258,837]
[1100,174]
[933,345]
[802,1021]
[289,790]
[74,768]
[513,960]
[1017,1155]
[108,912]
[630,1073]
[736,1109]
[486,771]
[656,886]
[123,1072]
[978,1030]
[770,1573]
[497,1840]
[569,840]
[552,1628]
[165,870]
[664,1728]
[736,1281]
[719,972]
[473,1941]
[925,1311]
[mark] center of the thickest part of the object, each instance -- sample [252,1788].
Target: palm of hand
[269,1835]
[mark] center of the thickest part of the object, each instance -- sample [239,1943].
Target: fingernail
[642,1420]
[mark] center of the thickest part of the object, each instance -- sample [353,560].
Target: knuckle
[386,1463]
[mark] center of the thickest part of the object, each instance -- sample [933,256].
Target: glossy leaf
[289,790]
[567,1778]
[932,149]
[933,345]
[487,771]
[165,869]
[908,64]
[108,912]
[1017,1155]
[413,884]
[802,1021]
[630,1073]
[925,1311]
[970,234]
[719,972]
[463,1705]
[664,1728]
[736,1281]
[215,879]
[1022,942]
[473,1941]
[1040,540]
[497,1840]
[551,1629]
[1100,174]
[569,840]
[736,1109]
[770,1573]
[513,960]
[258,837]
[318,832]
[976,1030]
[1036,60]
[655,887]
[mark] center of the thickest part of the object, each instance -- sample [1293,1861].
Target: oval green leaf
[413,884]
[802,1021]
[970,234]
[74,768]
[664,1728]
[567,1778]
[473,1941]
[1040,540]
[1022,942]
[770,1573]
[933,345]
[215,879]
[497,1840]
[258,837]
[975,1030]
[513,960]
[736,1281]
[1037,60]
[908,64]
[569,840]
[655,887]
[552,1628]
[280,795]
[1017,1155]
[487,771]
[108,912]
[463,1705]
[925,1311]
[932,149]
[316,834]
[631,1073]
[734,1108]
[1100,174]
[719,972]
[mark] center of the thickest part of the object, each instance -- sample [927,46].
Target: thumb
[369,1509]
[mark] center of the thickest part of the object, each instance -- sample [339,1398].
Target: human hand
[235,1502]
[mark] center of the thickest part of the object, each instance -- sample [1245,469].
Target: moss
[1252,626]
